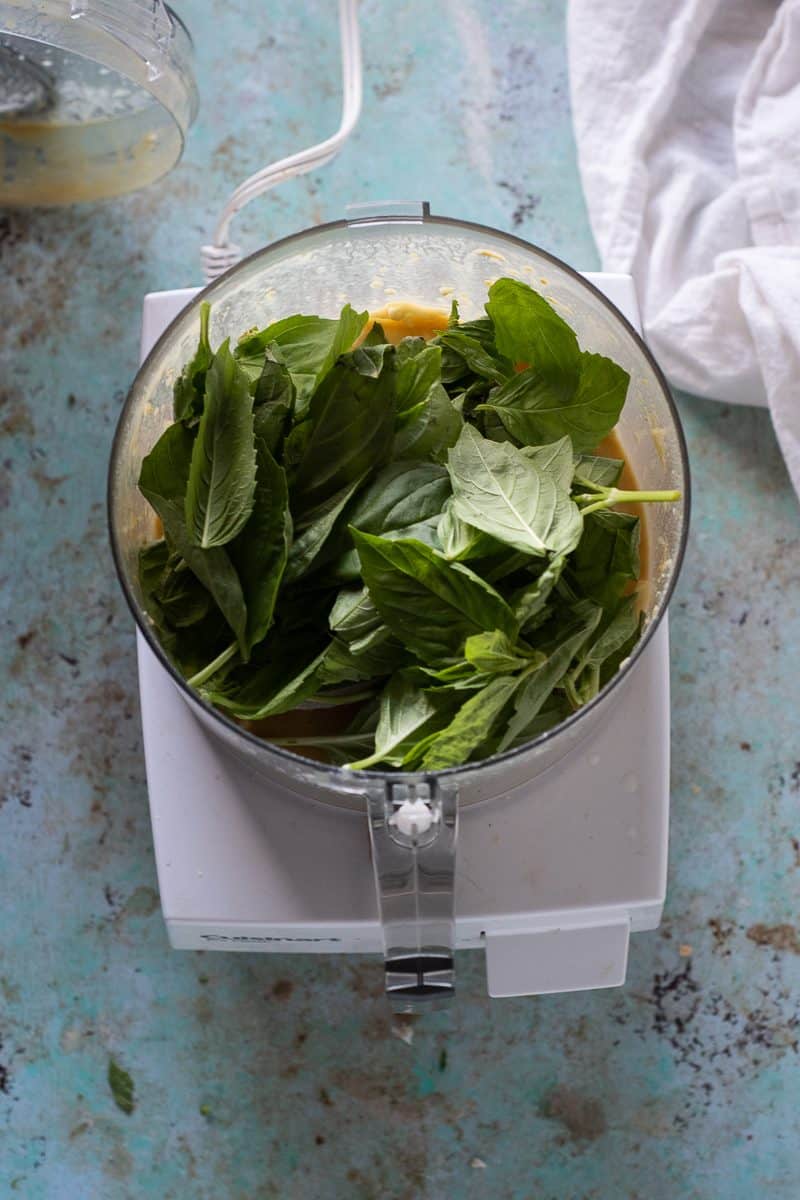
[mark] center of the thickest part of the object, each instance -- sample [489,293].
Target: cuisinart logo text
[224,937]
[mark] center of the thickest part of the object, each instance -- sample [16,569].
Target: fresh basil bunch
[420,529]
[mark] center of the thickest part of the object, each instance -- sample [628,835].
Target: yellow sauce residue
[402,319]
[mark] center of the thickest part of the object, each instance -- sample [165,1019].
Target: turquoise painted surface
[258,1076]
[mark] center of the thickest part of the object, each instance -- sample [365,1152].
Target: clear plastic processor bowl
[430,260]
[96,97]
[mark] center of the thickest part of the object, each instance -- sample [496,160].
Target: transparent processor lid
[96,97]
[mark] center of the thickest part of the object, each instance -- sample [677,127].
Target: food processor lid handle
[413,832]
[222,254]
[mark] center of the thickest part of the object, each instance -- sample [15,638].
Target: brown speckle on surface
[282,989]
[779,937]
[582,1116]
[745,746]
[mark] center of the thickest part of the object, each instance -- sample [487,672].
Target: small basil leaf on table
[352,424]
[538,686]
[430,605]
[261,550]
[406,714]
[163,481]
[593,468]
[222,475]
[314,531]
[497,489]
[472,726]
[606,558]
[189,388]
[432,427]
[528,331]
[309,347]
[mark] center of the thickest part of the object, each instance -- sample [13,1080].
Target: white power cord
[222,253]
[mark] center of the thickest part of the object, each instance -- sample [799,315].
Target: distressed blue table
[282,1076]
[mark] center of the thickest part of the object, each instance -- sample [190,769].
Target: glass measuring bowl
[96,97]
[413,818]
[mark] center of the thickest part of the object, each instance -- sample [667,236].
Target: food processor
[592,793]
[547,856]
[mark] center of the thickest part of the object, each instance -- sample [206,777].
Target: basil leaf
[315,530]
[467,354]
[606,558]
[163,481]
[309,347]
[529,602]
[416,375]
[431,429]
[189,388]
[261,550]
[618,632]
[533,411]
[399,495]
[594,469]
[497,489]
[406,713]
[183,599]
[496,654]
[352,417]
[374,660]
[461,541]
[554,459]
[430,605]
[273,404]
[276,687]
[538,686]
[222,475]
[472,726]
[528,331]
[354,617]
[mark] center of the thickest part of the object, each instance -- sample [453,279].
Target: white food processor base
[551,879]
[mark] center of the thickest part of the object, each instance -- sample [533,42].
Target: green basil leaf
[495,653]
[528,331]
[529,602]
[315,530]
[273,688]
[183,599]
[222,475]
[538,686]
[309,347]
[465,354]
[416,375]
[352,417]
[433,426]
[273,402]
[591,468]
[497,489]
[261,550]
[430,605]
[163,481]
[554,459]
[402,493]
[190,385]
[461,541]
[606,558]
[534,412]
[406,713]
[472,726]
[612,637]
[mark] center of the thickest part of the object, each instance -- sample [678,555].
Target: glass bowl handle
[413,831]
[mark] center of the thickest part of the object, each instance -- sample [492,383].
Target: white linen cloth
[687,120]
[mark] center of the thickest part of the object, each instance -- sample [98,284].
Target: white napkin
[687,119]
